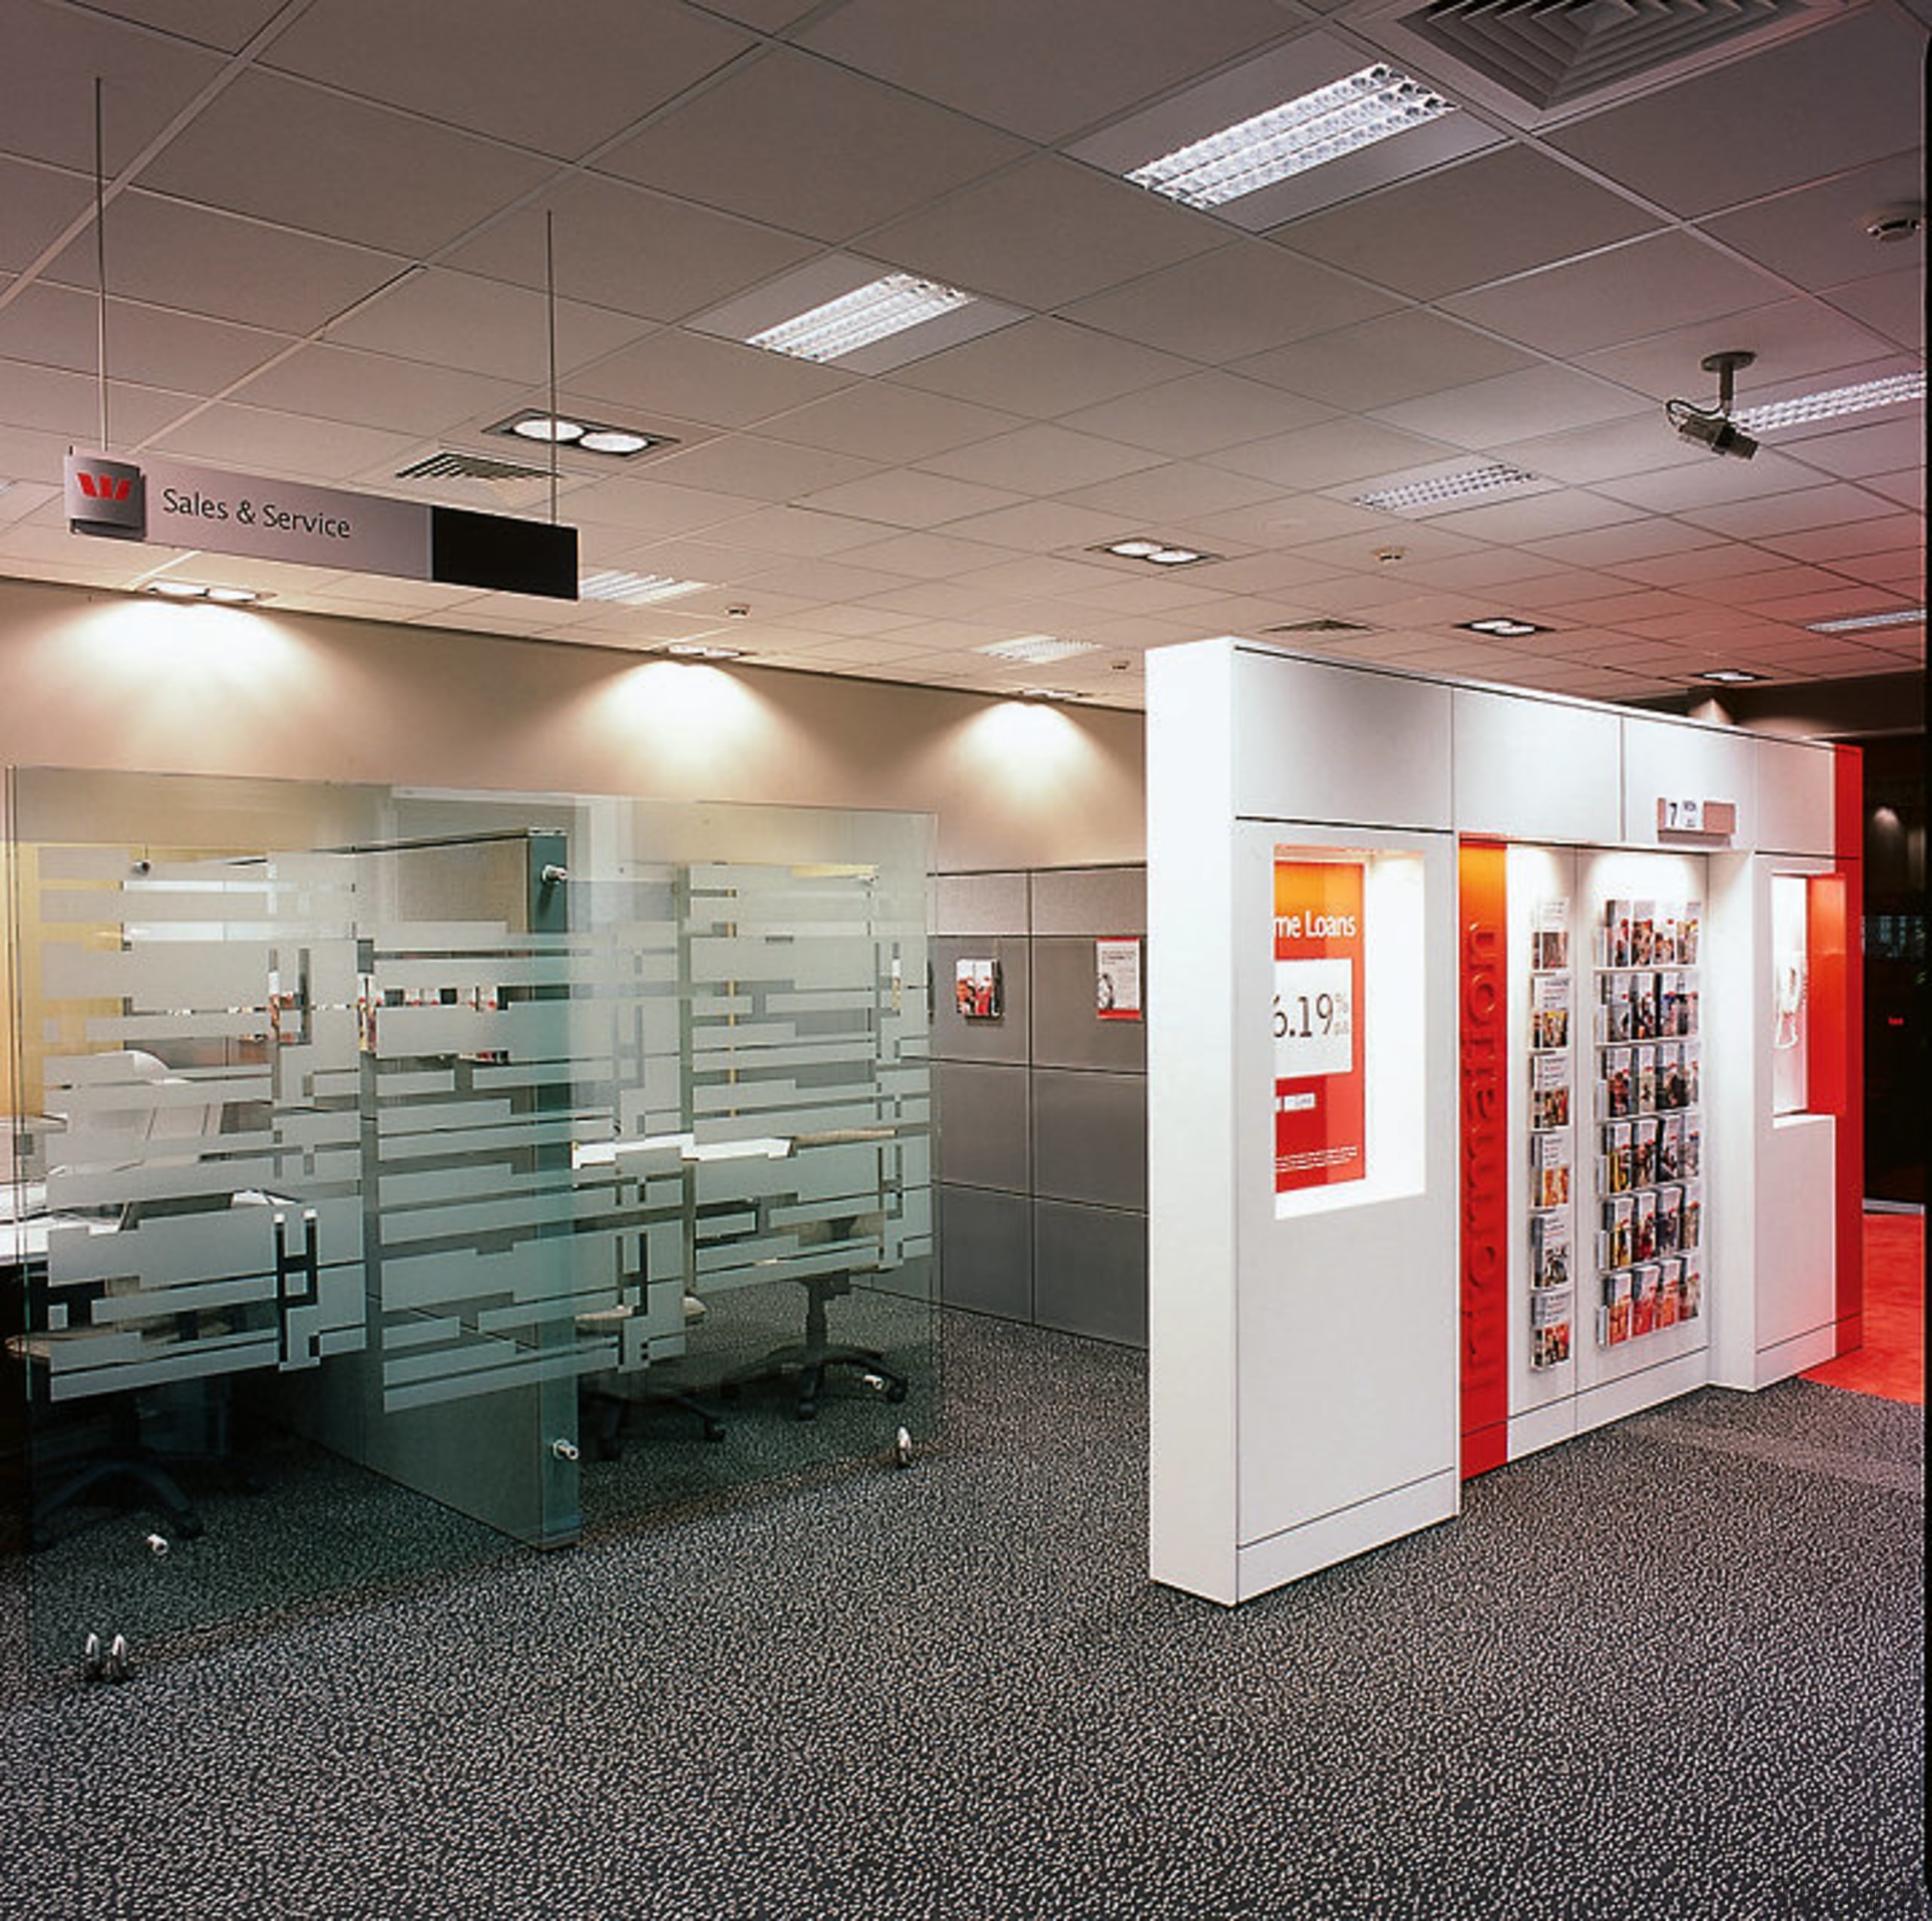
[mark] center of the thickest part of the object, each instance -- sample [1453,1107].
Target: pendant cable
[100,267]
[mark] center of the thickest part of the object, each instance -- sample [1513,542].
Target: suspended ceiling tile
[1536,399]
[1644,443]
[49,400]
[374,390]
[1276,575]
[1201,414]
[1045,577]
[562,80]
[1893,304]
[1042,71]
[37,205]
[617,246]
[927,556]
[1669,280]
[1762,587]
[1330,453]
[1720,560]
[1539,516]
[903,497]
[1042,459]
[1889,532]
[882,421]
[820,581]
[255,440]
[1816,236]
[794,531]
[809,147]
[761,469]
[1894,438]
[1802,509]
[647,509]
[1042,525]
[1391,358]
[481,326]
[1499,214]
[765,16]
[1818,103]
[722,382]
[390,181]
[1042,368]
[1243,300]
[1044,233]
[1709,483]
[54,55]
[216,264]
[153,346]
[1642,539]
[1486,569]
[1906,487]
[1179,490]
[1792,340]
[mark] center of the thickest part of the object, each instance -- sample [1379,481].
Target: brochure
[1620,1156]
[1617,1088]
[1694,1286]
[1549,1170]
[1670,1292]
[1549,1326]
[1643,1096]
[1614,1017]
[1670,1147]
[1616,1304]
[1645,1280]
[1549,1090]
[1549,934]
[1643,1136]
[1549,1010]
[1619,1215]
[1549,1250]
[1644,1241]
[1117,979]
[1670,1219]
[1689,916]
[1690,1234]
[1664,935]
[1616,933]
[1692,1160]
[1643,1006]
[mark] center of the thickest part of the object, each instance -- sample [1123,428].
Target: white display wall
[1305,1345]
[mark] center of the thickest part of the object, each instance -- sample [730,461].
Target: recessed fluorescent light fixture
[855,319]
[634,589]
[1043,693]
[1856,623]
[1730,676]
[194,590]
[702,650]
[573,430]
[1348,114]
[1036,650]
[1450,487]
[1503,627]
[1828,405]
[1155,553]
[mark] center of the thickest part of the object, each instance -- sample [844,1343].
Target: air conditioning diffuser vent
[470,466]
[1550,53]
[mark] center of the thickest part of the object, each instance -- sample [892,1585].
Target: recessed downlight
[1504,627]
[198,590]
[573,430]
[1155,553]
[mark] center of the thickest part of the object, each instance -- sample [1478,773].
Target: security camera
[1712,426]
[1720,435]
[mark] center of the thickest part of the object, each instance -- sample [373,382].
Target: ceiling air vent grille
[470,466]
[1322,626]
[1550,53]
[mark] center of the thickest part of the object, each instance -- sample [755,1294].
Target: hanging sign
[173,503]
[1320,1101]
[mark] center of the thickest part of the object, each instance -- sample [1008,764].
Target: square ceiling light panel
[1303,107]
[856,316]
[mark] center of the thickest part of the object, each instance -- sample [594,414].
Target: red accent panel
[1485,1156]
[1848,839]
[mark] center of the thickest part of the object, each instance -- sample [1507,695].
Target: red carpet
[1891,1364]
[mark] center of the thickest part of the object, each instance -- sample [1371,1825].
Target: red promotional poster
[1320,1111]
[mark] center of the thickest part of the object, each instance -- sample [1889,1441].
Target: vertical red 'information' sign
[1320,1101]
[1483,899]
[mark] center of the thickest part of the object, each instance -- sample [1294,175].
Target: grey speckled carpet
[1673,1669]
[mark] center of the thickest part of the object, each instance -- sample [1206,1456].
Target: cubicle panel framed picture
[1320,1100]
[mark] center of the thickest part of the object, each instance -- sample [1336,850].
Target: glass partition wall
[394,1176]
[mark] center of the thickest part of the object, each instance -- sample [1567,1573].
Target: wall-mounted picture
[976,990]
[1117,980]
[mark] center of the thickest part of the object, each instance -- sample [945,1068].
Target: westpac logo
[106,497]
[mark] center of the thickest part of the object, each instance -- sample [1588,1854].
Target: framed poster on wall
[1321,1117]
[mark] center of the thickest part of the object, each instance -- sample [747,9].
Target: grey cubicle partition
[1043,1109]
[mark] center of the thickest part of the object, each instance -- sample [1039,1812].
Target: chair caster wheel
[901,1449]
[895,1392]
